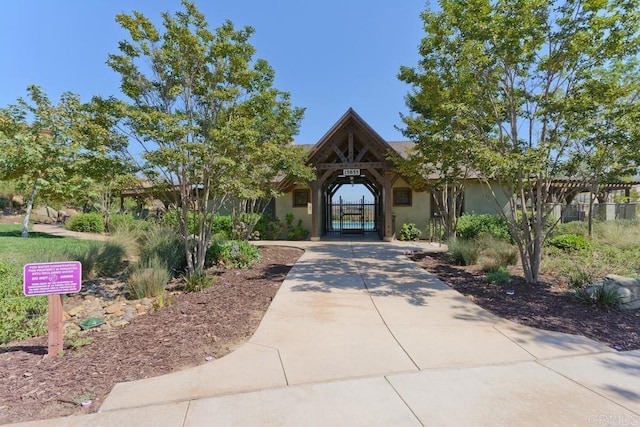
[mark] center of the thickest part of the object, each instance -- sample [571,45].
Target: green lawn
[39,247]
[20,316]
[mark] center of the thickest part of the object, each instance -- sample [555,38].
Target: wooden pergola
[352,152]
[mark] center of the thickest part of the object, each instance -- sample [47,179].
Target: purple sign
[49,278]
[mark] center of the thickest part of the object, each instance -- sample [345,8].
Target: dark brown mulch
[550,304]
[193,326]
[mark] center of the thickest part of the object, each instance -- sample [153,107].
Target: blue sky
[330,55]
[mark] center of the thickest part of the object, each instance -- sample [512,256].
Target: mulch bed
[550,304]
[192,327]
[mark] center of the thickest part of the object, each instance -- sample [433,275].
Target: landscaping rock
[45,214]
[103,299]
[113,308]
[76,310]
[626,289]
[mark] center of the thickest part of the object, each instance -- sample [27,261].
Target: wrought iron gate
[345,218]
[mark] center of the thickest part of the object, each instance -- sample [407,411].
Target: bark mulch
[550,305]
[190,329]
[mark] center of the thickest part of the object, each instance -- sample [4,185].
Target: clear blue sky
[330,55]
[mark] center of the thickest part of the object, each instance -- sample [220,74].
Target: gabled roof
[349,119]
[403,148]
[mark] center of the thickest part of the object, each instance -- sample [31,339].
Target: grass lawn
[20,316]
[39,247]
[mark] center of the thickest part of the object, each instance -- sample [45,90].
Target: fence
[352,217]
[601,211]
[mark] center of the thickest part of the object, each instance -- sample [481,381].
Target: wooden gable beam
[361,153]
[340,154]
[347,165]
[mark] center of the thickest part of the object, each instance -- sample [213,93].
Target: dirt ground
[209,324]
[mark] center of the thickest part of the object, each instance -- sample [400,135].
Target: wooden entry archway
[351,148]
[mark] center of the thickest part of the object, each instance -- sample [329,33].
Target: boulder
[627,289]
[44,214]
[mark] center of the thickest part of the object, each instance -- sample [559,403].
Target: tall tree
[106,164]
[525,61]
[54,152]
[605,132]
[203,110]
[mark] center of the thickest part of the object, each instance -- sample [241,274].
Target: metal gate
[352,218]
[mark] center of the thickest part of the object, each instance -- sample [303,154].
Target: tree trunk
[592,197]
[27,215]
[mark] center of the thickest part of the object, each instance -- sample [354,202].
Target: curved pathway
[59,230]
[359,335]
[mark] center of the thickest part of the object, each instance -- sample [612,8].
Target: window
[401,197]
[300,198]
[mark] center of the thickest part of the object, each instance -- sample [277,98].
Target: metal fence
[601,211]
[352,217]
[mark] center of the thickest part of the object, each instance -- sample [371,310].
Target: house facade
[352,152]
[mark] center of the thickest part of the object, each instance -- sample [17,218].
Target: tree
[55,151]
[206,113]
[8,189]
[107,166]
[440,125]
[518,68]
[605,135]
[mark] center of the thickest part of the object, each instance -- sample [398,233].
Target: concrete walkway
[59,231]
[359,335]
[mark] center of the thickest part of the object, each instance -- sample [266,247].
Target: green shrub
[409,232]
[495,253]
[87,223]
[148,279]
[198,282]
[128,241]
[463,252]
[579,277]
[244,227]
[167,246]
[577,269]
[124,223]
[101,259]
[21,317]
[499,277]
[221,225]
[472,225]
[295,232]
[270,227]
[232,253]
[579,228]
[570,242]
[602,297]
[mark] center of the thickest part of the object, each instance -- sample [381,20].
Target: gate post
[315,211]
[388,208]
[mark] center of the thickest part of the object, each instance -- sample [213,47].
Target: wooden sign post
[55,325]
[53,279]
